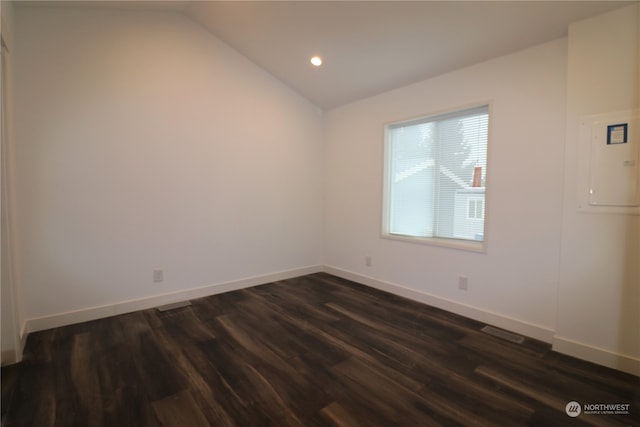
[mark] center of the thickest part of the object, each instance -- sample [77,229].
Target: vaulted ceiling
[369,47]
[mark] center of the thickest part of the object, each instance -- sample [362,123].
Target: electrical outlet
[158,276]
[367,260]
[463,283]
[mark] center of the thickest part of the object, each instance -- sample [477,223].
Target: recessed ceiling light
[316,60]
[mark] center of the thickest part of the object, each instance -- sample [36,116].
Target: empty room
[320,213]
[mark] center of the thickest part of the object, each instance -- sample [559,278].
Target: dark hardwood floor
[311,351]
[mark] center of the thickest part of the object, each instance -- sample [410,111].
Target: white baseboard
[99,312]
[562,345]
[23,341]
[597,355]
[518,326]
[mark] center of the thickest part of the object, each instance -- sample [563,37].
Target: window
[476,209]
[435,174]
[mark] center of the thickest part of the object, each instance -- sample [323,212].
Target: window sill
[464,245]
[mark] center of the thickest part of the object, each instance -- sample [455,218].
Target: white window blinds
[436,172]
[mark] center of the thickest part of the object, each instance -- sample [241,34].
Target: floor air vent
[505,335]
[174,306]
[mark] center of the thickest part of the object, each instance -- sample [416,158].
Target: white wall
[514,283]
[599,292]
[145,143]
[9,338]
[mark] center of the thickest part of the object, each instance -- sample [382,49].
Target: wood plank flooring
[311,351]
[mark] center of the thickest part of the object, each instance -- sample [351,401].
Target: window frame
[445,242]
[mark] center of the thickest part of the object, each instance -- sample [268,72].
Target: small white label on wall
[617,134]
